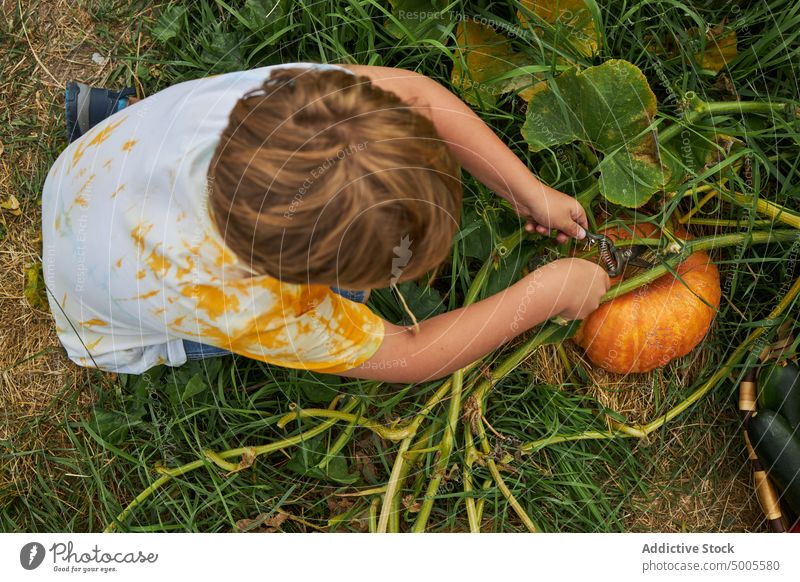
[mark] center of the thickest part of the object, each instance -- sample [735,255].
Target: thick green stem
[765,207]
[373,514]
[393,486]
[388,433]
[169,474]
[501,484]
[726,223]
[720,107]
[692,246]
[548,334]
[469,500]
[482,501]
[347,433]
[445,448]
[455,383]
[701,109]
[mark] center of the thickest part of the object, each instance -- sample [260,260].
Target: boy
[252,212]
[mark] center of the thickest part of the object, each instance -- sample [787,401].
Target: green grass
[139,423]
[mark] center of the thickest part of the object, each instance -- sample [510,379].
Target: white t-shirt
[134,264]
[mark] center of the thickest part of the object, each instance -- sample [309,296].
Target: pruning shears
[614,259]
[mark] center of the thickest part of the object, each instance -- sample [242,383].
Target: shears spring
[615,260]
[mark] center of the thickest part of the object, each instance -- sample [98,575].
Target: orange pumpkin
[656,323]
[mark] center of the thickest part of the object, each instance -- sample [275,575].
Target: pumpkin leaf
[337,470]
[572,19]
[308,454]
[611,108]
[223,48]
[720,49]
[483,62]
[508,270]
[189,381]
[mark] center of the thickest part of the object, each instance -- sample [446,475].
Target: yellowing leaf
[720,47]
[35,293]
[572,14]
[528,93]
[487,56]
[720,50]
[12,204]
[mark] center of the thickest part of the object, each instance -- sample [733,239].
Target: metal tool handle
[609,254]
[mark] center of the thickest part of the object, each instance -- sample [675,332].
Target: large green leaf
[610,107]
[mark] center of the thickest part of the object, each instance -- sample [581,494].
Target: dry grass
[707,491]
[710,490]
[45,45]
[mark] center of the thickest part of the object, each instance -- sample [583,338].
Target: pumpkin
[654,324]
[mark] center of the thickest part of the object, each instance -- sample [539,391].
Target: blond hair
[323,178]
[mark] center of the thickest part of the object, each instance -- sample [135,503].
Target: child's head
[321,177]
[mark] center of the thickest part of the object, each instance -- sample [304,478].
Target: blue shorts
[197,351]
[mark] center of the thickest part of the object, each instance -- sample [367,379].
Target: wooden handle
[767,496]
[747,396]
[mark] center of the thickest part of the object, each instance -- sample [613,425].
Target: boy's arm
[453,340]
[482,153]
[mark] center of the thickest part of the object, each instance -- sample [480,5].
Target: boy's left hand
[547,209]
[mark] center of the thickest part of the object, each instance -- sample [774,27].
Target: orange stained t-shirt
[134,264]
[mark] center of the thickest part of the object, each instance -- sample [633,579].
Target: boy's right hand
[583,284]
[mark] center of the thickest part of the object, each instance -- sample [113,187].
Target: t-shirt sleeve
[320,331]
